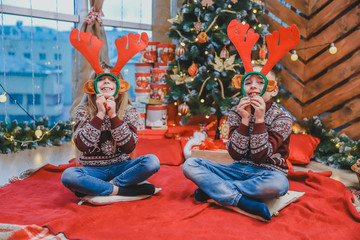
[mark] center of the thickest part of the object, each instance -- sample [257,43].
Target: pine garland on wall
[15,137]
[336,150]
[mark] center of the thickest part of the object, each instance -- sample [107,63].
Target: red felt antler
[236,32]
[125,54]
[289,37]
[91,53]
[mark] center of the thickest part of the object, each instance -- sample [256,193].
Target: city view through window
[36,56]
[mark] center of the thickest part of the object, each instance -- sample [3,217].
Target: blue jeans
[96,180]
[227,183]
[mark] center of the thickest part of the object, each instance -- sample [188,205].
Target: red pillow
[301,148]
[169,151]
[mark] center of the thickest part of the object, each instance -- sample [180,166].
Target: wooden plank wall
[322,84]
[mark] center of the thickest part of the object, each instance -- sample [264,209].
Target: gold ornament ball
[3,98]
[38,133]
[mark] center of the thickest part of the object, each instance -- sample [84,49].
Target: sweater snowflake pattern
[261,144]
[108,141]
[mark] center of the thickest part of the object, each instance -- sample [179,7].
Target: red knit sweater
[261,144]
[107,141]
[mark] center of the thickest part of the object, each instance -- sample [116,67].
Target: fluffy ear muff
[272,85]
[124,86]
[236,81]
[89,87]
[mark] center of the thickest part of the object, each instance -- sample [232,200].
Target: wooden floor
[12,165]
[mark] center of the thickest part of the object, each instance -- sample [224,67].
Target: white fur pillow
[274,205]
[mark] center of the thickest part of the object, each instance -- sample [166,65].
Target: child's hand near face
[244,110]
[111,107]
[259,105]
[100,104]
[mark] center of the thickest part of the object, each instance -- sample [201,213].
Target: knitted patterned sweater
[108,141]
[261,144]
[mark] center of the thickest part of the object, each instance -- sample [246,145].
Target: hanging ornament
[179,51]
[262,52]
[207,3]
[183,108]
[224,128]
[332,48]
[224,53]
[193,70]
[3,98]
[202,37]
[227,64]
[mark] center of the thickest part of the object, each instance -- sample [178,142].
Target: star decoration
[198,26]
[227,64]
[177,19]
[181,79]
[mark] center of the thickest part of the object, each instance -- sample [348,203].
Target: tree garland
[15,137]
[335,150]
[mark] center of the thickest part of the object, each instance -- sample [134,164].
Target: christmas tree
[200,78]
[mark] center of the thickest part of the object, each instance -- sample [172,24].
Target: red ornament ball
[183,108]
[179,51]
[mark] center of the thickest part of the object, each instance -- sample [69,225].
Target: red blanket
[324,212]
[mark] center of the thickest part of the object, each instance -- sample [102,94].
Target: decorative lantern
[224,53]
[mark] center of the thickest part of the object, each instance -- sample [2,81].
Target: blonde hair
[89,101]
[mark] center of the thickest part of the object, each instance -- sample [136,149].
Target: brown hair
[122,99]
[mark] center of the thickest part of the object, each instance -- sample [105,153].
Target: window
[33,99]
[17,97]
[42,56]
[52,99]
[57,56]
[38,54]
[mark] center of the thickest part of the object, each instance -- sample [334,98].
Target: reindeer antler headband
[91,53]
[289,37]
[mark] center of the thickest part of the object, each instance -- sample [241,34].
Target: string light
[206,52]
[3,98]
[182,44]
[202,100]
[254,11]
[207,116]
[175,103]
[294,57]
[38,132]
[229,6]
[332,48]
[179,114]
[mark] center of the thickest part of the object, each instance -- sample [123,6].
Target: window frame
[76,18]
